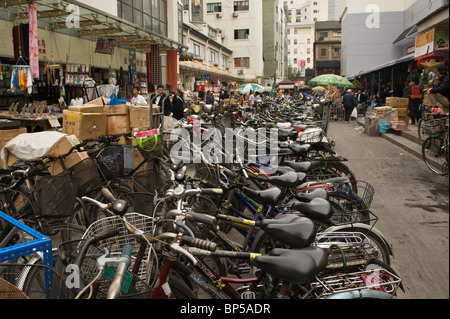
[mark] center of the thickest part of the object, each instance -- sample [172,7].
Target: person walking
[349,104]
[439,94]
[414,101]
[178,105]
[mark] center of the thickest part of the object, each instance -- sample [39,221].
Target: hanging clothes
[14,80]
[33,40]
[29,82]
[22,80]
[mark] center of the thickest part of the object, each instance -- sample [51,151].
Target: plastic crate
[40,243]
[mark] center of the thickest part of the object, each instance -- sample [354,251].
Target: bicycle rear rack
[40,243]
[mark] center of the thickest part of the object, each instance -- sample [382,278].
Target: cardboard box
[403,102]
[402,112]
[117,124]
[87,108]
[7,135]
[63,146]
[140,115]
[84,125]
[117,109]
[392,101]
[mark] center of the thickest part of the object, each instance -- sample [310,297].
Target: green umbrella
[332,80]
[245,88]
[319,88]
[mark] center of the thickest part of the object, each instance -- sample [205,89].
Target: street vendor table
[47,121]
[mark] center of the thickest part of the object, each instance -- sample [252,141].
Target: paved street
[412,204]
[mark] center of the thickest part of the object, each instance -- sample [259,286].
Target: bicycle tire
[421,130]
[329,169]
[435,155]
[180,289]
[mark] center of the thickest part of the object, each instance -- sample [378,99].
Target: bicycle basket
[111,162]
[88,271]
[313,136]
[56,195]
[87,172]
[434,126]
[150,143]
[151,181]
[28,281]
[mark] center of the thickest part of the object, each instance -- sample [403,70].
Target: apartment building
[327,47]
[302,15]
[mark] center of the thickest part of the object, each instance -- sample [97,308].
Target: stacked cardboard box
[7,135]
[85,121]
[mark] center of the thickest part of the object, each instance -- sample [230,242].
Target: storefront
[87,52]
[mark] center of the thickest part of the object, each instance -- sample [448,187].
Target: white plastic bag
[354,113]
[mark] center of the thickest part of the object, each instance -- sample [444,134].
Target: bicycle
[435,149]
[297,267]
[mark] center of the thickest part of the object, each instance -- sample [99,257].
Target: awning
[198,68]
[94,23]
[406,58]
[408,34]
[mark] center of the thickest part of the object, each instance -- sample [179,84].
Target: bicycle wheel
[330,169]
[421,130]
[435,154]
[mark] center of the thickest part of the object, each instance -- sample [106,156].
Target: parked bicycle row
[203,219]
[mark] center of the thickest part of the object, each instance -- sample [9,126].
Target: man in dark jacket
[349,104]
[158,98]
[178,105]
[439,94]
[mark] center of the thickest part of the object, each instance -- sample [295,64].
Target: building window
[242,63]
[150,14]
[213,56]
[337,34]
[241,6]
[225,60]
[323,52]
[214,7]
[323,34]
[241,34]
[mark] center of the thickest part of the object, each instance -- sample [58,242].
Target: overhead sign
[425,43]
[105,46]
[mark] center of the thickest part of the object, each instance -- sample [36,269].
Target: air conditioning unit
[219,15]
[235,14]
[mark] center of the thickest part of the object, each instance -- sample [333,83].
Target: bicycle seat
[316,209]
[308,197]
[288,179]
[294,266]
[299,232]
[300,167]
[319,255]
[269,196]
[300,149]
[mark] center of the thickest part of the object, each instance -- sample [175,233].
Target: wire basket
[28,281]
[56,195]
[313,137]
[377,279]
[88,173]
[434,126]
[151,181]
[362,197]
[114,245]
[111,162]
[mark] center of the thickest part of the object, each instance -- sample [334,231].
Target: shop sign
[206,78]
[425,43]
[105,46]
[441,40]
